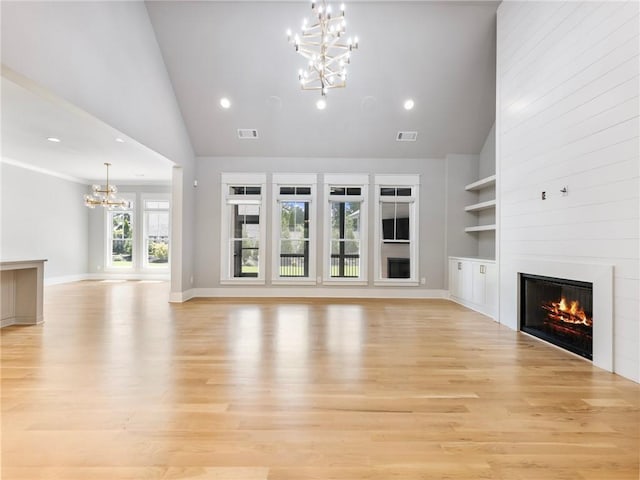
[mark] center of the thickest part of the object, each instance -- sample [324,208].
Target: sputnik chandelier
[105,196]
[322,44]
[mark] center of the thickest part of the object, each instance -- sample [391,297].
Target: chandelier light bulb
[321,104]
[225,103]
[409,104]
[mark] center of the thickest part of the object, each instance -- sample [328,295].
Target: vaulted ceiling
[440,54]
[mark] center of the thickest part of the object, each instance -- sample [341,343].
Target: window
[242,228]
[294,228]
[120,238]
[396,229]
[346,229]
[156,233]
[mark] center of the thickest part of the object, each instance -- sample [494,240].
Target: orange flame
[575,313]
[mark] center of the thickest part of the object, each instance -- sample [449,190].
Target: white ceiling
[30,115]
[441,54]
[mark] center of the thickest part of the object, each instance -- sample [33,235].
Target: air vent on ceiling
[407,136]
[247,133]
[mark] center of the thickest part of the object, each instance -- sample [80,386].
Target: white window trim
[354,180]
[412,181]
[293,180]
[146,197]
[108,267]
[250,179]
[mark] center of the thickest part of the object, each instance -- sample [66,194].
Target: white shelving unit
[476,207]
[489,181]
[481,184]
[481,228]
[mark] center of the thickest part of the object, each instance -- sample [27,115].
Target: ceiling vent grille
[247,133]
[406,136]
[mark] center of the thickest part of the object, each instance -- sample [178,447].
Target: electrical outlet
[191,279]
[423,281]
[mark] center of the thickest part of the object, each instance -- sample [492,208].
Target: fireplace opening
[559,311]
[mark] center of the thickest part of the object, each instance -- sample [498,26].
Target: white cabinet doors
[474,284]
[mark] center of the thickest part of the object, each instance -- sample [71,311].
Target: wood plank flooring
[119,384]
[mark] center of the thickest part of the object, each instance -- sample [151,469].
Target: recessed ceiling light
[119,140]
[53,139]
[408,104]
[225,102]
[321,104]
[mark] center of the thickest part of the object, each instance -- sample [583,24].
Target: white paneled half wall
[567,147]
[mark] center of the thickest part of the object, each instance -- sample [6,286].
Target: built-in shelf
[482,183]
[481,228]
[476,207]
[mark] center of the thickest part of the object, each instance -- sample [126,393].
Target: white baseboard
[65,279]
[180,297]
[128,276]
[472,306]
[104,276]
[317,292]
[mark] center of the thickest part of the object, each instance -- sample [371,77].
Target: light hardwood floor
[119,384]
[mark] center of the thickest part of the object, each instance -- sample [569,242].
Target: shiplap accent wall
[567,115]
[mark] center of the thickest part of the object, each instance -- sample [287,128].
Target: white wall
[567,84]
[43,217]
[432,206]
[461,170]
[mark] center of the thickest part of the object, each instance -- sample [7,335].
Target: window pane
[303,190]
[293,247]
[121,239]
[253,190]
[156,205]
[404,192]
[237,190]
[335,247]
[353,190]
[352,220]
[246,231]
[351,247]
[157,238]
[337,191]
[287,190]
[388,213]
[387,192]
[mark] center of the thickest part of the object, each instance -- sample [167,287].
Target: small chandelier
[105,196]
[323,46]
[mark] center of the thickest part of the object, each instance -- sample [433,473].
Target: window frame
[151,197]
[228,200]
[293,180]
[346,180]
[397,181]
[108,222]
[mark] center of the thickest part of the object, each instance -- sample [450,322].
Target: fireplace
[559,311]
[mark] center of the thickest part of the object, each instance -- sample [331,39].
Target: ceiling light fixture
[225,102]
[408,104]
[322,45]
[105,196]
[119,140]
[53,139]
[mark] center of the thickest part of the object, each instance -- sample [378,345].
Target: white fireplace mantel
[600,275]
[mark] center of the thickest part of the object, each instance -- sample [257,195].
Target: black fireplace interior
[559,311]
